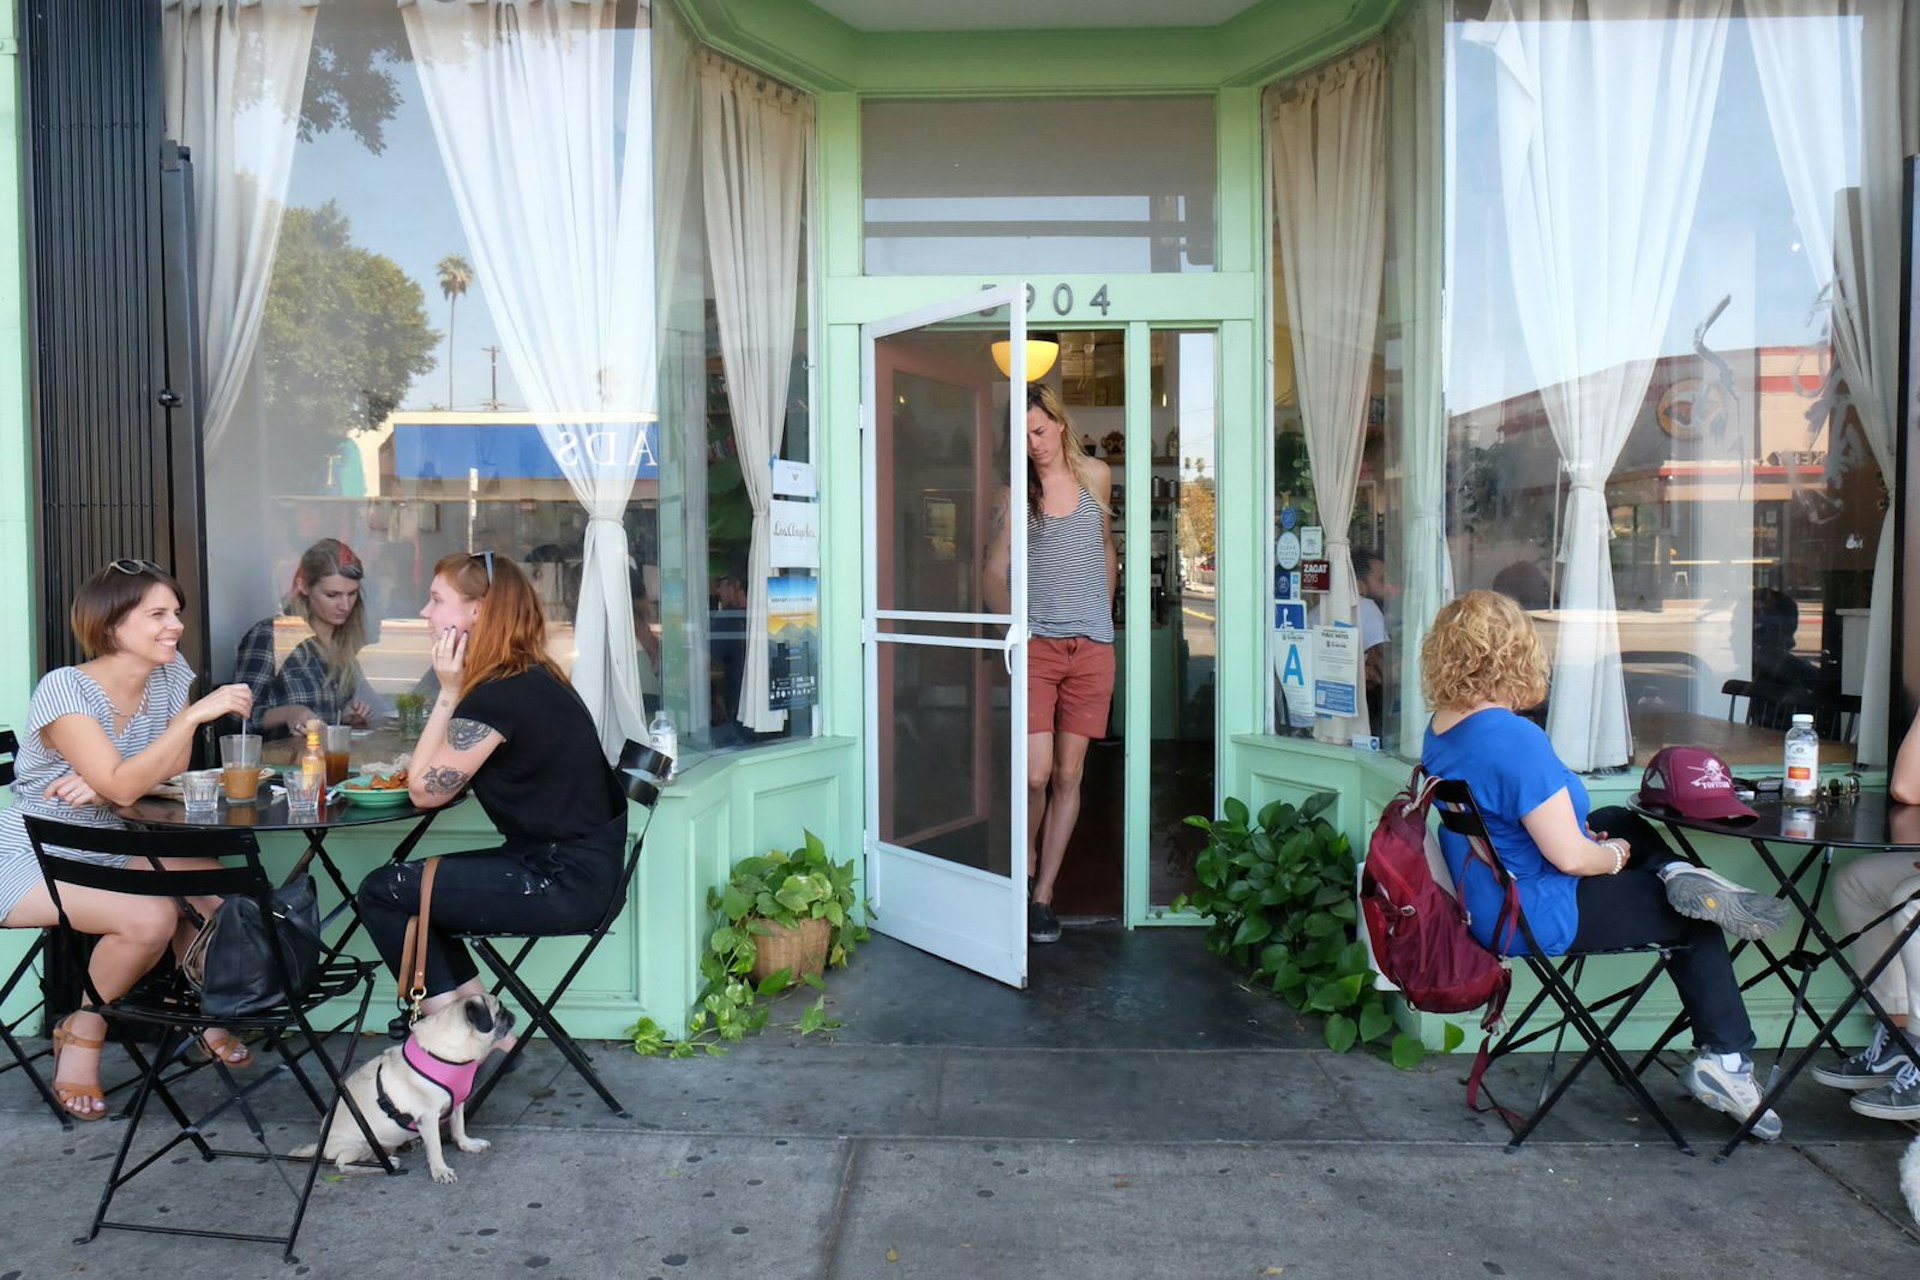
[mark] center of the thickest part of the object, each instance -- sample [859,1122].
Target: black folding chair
[1559,979]
[10,1027]
[639,772]
[174,1009]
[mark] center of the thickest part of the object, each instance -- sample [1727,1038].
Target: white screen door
[946,671]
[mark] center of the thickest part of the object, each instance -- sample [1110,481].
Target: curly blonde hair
[1482,648]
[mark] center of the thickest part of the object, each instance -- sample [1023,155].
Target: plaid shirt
[280,662]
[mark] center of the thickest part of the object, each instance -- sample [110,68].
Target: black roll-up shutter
[114,408]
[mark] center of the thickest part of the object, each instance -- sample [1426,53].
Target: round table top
[1866,821]
[267,815]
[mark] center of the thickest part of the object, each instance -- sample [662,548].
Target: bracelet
[1619,856]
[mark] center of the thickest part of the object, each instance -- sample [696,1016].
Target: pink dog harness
[455,1079]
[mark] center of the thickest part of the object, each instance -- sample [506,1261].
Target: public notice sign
[1336,655]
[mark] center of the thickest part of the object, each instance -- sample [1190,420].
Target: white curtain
[554,186]
[1326,140]
[1832,71]
[754,157]
[235,74]
[1416,122]
[683,352]
[1867,294]
[1603,135]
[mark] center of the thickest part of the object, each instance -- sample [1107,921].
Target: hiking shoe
[1899,1100]
[1873,1066]
[1042,924]
[1733,1092]
[1701,894]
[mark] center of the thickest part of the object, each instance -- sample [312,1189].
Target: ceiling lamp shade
[1040,357]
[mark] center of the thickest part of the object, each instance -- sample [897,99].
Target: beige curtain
[235,75]
[1327,150]
[754,154]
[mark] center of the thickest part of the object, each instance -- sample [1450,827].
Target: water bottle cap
[1803,717]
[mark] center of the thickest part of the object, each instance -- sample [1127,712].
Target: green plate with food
[376,789]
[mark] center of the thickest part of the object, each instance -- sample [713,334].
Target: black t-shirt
[548,779]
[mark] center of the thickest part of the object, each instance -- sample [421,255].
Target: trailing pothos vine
[764,891]
[1280,891]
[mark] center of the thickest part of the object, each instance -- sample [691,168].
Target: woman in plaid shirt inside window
[305,664]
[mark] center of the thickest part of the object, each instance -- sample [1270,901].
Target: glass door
[945,651]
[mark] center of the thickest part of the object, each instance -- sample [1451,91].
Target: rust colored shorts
[1069,686]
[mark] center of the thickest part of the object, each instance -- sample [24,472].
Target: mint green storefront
[729,803]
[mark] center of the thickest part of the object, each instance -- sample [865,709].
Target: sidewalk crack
[849,1169]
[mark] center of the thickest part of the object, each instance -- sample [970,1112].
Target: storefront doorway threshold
[1099,987]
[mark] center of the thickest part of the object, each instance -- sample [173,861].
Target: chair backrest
[640,770]
[247,879]
[9,748]
[1460,813]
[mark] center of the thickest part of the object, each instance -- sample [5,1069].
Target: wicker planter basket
[801,948]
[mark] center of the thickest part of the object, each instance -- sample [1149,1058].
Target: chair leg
[149,1078]
[541,1015]
[21,1058]
[326,1123]
[1599,1046]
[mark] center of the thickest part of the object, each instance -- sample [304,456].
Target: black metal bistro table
[1808,834]
[269,813]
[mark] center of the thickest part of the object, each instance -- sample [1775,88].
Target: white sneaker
[1733,1092]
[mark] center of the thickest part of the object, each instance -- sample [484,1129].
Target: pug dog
[406,1091]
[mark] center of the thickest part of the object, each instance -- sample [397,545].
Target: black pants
[521,888]
[1631,909]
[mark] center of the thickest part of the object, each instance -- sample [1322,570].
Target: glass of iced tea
[336,741]
[240,766]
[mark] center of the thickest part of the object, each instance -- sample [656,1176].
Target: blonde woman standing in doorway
[1070,668]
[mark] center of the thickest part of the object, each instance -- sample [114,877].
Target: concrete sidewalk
[1134,1114]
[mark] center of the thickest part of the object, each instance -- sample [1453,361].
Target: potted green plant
[1279,887]
[782,917]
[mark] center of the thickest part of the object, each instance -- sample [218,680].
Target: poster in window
[793,634]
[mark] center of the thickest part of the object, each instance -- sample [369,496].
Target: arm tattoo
[1000,511]
[444,781]
[463,733]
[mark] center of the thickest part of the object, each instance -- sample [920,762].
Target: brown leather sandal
[210,1045]
[67,1091]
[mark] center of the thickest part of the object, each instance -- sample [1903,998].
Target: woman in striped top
[97,735]
[1070,578]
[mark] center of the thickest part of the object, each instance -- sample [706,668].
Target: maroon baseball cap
[1692,782]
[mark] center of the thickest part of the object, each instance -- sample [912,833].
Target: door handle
[1016,635]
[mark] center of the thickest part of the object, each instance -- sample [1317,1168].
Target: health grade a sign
[454,448]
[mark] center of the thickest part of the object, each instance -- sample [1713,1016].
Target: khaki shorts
[1069,686]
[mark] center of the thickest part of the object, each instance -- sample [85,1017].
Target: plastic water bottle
[1801,779]
[666,740]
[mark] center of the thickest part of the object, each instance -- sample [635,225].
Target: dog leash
[413,951]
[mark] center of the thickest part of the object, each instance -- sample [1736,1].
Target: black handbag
[229,962]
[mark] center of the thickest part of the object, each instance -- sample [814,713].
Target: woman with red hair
[507,724]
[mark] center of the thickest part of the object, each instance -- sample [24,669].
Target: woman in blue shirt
[1587,881]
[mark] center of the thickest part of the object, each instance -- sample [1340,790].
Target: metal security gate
[111,334]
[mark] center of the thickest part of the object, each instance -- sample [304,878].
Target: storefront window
[432,322]
[1055,185]
[1672,251]
[1335,570]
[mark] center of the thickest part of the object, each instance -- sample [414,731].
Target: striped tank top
[1067,574]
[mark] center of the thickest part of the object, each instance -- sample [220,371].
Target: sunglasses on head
[352,570]
[485,558]
[134,567]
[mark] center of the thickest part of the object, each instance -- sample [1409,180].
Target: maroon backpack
[1419,932]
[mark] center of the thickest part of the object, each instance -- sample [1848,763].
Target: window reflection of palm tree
[455,275]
